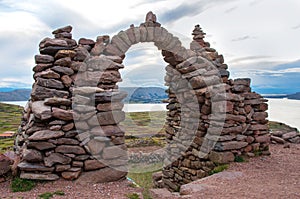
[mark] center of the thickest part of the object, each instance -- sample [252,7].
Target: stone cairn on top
[70,126]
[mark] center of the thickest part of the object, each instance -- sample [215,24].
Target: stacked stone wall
[70,127]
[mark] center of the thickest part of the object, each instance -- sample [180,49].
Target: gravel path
[275,176]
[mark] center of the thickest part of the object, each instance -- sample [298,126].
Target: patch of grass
[145,123]
[219,169]
[22,185]
[59,193]
[257,152]
[132,196]
[46,195]
[142,175]
[239,159]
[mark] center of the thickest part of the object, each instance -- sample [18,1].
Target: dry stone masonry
[70,127]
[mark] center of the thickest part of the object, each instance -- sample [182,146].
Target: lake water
[281,110]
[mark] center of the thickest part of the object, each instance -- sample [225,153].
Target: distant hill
[15,95]
[135,95]
[144,94]
[294,96]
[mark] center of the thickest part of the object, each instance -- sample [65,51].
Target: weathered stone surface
[60,168]
[48,74]
[25,166]
[65,115]
[63,70]
[65,149]
[67,29]
[277,139]
[295,140]
[83,90]
[56,101]
[40,93]
[49,83]
[66,62]
[41,67]
[110,96]
[65,53]
[111,117]
[41,111]
[54,158]
[47,42]
[63,35]
[263,139]
[224,146]
[66,80]
[290,135]
[43,59]
[221,157]
[31,155]
[93,165]
[96,146]
[81,54]
[260,116]
[65,141]
[41,145]
[103,175]
[161,193]
[45,135]
[5,164]
[84,41]
[110,106]
[68,127]
[114,152]
[70,175]
[37,176]
[93,78]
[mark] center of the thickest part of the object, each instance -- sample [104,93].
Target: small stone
[45,135]
[289,135]
[57,101]
[37,176]
[84,41]
[25,166]
[69,175]
[41,145]
[70,149]
[43,59]
[84,90]
[49,83]
[93,165]
[66,62]
[221,157]
[5,164]
[223,146]
[81,54]
[277,139]
[65,115]
[67,29]
[95,146]
[63,70]
[41,111]
[39,93]
[66,80]
[31,155]
[48,74]
[65,53]
[54,158]
[106,174]
[60,168]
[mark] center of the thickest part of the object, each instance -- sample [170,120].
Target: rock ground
[275,176]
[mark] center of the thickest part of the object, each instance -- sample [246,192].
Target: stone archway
[70,126]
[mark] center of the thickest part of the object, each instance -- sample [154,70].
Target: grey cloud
[231,9]
[182,10]
[255,2]
[296,27]
[249,58]
[243,38]
[145,2]
[192,9]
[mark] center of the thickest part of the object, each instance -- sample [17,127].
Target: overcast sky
[259,38]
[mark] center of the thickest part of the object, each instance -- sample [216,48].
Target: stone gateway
[70,126]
